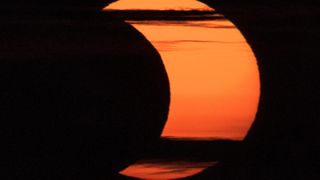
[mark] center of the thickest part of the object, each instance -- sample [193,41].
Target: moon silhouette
[213,73]
[73,95]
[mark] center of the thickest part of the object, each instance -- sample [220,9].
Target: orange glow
[165,170]
[213,73]
[213,76]
[157,5]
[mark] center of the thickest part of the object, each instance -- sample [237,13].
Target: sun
[213,73]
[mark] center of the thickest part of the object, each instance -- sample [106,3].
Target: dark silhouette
[82,95]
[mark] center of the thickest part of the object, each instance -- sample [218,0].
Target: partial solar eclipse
[213,73]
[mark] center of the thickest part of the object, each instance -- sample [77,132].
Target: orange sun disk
[213,73]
